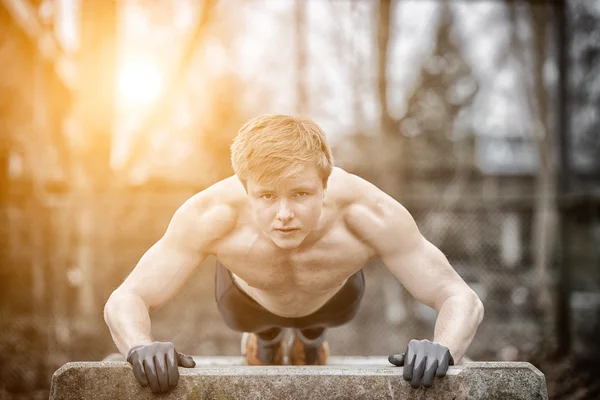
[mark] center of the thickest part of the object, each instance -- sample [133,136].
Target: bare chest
[323,267]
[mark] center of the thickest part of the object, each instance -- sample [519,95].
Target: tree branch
[159,111]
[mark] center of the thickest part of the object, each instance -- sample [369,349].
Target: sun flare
[140,83]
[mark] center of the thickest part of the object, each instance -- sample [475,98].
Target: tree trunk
[300,36]
[85,256]
[175,83]
[95,116]
[545,208]
[390,159]
[384,22]
[563,115]
[545,212]
[357,72]
[59,263]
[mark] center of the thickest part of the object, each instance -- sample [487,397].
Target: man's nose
[284,213]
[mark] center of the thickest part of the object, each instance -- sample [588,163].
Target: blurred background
[482,118]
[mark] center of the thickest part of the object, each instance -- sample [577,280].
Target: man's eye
[301,194]
[268,196]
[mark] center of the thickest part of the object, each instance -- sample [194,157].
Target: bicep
[167,265]
[161,272]
[418,264]
[425,272]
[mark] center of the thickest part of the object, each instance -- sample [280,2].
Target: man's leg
[259,351]
[269,334]
[309,347]
[312,333]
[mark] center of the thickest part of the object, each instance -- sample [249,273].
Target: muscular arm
[163,270]
[420,266]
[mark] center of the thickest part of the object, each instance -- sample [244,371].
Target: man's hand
[422,361]
[155,365]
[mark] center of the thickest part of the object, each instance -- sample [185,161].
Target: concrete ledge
[344,378]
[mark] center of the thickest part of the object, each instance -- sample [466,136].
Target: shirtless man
[291,234]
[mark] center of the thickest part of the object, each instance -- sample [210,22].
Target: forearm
[456,324]
[128,320]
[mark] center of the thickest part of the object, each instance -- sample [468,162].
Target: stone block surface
[221,378]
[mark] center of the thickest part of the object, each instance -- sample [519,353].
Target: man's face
[288,210]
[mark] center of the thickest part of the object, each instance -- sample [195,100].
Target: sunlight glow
[140,83]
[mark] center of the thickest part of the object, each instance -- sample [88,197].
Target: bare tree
[36,98]
[160,110]
[546,199]
[545,214]
[94,111]
[389,159]
[300,37]
[384,26]
[356,71]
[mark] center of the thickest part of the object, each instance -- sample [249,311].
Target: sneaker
[259,352]
[308,352]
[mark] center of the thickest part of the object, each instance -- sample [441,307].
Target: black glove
[422,361]
[156,365]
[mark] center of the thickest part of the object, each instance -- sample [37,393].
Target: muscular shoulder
[209,214]
[227,193]
[346,189]
[369,212]
[351,193]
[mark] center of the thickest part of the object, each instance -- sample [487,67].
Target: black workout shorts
[243,314]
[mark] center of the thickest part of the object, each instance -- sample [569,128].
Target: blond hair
[273,147]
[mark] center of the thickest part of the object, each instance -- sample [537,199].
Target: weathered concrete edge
[356,370]
[474,375]
[536,379]
[501,364]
